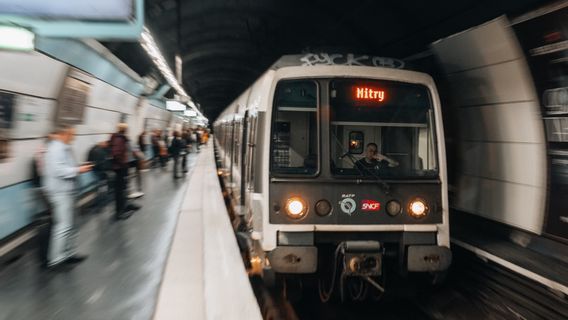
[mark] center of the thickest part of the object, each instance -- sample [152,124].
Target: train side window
[294,142]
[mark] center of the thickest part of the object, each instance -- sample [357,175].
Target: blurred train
[288,151]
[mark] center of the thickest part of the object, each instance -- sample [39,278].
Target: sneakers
[135,195]
[64,265]
[76,258]
[132,206]
[125,215]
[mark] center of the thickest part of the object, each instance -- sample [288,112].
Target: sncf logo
[370,205]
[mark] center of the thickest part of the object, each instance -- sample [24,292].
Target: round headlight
[418,208]
[296,208]
[393,208]
[323,208]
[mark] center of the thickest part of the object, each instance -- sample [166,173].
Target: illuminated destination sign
[368,94]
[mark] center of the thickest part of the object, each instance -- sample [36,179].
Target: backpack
[36,177]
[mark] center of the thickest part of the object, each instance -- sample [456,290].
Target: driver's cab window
[381,128]
[294,141]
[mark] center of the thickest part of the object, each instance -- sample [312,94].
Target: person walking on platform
[119,145]
[176,147]
[193,138]
[60,185]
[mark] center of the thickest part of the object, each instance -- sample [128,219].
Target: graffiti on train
[350,59]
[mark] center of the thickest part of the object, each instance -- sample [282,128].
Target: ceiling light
[15,38]
[148,43]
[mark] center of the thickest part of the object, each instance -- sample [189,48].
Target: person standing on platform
[198,139]
[186,144]
[60,184]
[119,145]
[176,148]
[193,137]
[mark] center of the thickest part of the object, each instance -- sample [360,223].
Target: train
[335,168]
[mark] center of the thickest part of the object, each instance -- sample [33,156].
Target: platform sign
[544,38]
[98,19]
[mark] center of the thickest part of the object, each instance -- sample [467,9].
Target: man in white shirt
[59,181]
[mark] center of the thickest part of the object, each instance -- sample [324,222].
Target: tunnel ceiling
[227,44]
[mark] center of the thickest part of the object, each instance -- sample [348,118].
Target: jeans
[63,233]
[120,190]
[184,161]
[136,164]
[176,158]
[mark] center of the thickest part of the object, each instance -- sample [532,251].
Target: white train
[296,154]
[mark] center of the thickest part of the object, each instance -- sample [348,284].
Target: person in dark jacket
[99,156]
[186,143]
[119,146]
[176,148]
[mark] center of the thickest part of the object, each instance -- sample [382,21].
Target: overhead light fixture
[16,38]
[190,113]
[173,105]
[148,43]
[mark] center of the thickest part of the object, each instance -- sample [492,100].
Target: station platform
[205,277]
[179,247]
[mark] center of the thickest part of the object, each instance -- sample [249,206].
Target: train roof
[341,59]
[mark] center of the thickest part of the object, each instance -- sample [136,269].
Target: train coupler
[362,258]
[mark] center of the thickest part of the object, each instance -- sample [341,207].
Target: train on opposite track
[336,169]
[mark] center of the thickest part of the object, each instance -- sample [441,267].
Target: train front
[357,178]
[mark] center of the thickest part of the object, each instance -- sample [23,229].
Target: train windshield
[294,128]
[381,129]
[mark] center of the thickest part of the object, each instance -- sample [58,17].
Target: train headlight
[418,208]
[393,208]
[296,208]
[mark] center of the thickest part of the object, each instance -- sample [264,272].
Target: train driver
[373,160]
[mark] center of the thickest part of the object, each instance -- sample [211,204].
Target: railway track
[474,289]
